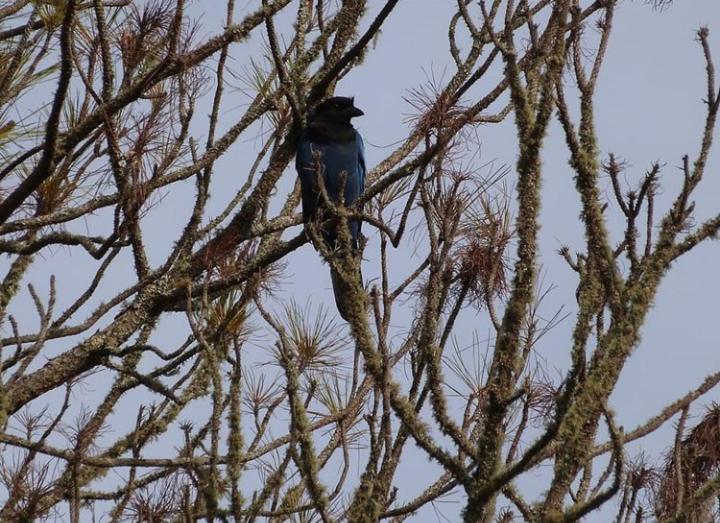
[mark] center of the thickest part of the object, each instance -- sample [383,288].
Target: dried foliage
[181,381]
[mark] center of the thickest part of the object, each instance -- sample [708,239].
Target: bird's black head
[338,109]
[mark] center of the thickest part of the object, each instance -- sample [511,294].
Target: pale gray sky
[649,107]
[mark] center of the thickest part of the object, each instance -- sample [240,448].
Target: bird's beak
[355,112]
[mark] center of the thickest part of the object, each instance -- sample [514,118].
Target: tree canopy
[161,369]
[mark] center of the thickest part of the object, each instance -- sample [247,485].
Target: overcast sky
[649,107]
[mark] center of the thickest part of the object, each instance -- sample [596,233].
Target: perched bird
[330,146]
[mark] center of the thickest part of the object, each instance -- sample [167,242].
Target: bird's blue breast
[333,159]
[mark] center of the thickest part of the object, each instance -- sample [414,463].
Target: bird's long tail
[340,289]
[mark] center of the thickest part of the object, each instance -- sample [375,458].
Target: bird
[329,143]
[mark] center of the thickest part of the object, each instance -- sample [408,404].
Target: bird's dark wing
[362,169]
[361,160]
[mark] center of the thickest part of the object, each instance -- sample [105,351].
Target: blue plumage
[329,143]
[333,159]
